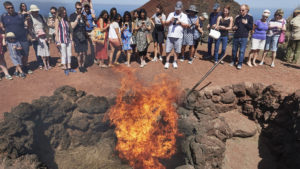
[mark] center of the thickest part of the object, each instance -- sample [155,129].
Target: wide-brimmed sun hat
[267,12]
[178,5]
[34,8]
[10,35]
[192,8]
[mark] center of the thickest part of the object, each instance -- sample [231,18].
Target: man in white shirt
[176,21]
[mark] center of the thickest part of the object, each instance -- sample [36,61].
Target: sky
[270,3]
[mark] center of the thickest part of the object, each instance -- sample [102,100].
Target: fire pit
[70,129]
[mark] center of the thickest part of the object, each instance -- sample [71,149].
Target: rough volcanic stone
[239,89]
[239,124]
[217,91]
[93,105]
[228,97]
[68,91]
[24,111]
[79,123]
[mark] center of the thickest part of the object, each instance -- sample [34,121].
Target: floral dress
[141,38]
[126,36]
[188,33]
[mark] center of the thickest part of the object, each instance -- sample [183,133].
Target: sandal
[116,63]
[103,66]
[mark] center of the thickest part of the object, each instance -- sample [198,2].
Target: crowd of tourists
[130,35]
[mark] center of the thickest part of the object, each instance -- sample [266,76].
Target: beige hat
[267,12]
[10,35]
[34,8]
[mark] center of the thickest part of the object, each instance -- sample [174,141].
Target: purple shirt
[260,31]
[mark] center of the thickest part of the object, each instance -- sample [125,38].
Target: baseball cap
[267,12]
[216,6]
[178,5]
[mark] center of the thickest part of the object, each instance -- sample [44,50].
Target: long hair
[60,13]
[127,13]
[228,8]
[133,14]
[21,10]
[120,21]
[111,14]
[142,11]
[102,14]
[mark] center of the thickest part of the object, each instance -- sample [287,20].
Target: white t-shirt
[176,31]
[112,32]
[157,20]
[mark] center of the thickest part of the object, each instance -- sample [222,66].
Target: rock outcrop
[209,118]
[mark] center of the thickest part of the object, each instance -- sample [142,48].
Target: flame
[146,120]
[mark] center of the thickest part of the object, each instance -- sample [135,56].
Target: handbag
[214,34]
[282,35]
[98,36]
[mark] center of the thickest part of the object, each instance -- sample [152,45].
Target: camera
[158,14]
[175,21]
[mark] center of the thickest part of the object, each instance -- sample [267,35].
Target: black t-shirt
[80,27]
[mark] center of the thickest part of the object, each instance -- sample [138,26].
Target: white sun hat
[34,8]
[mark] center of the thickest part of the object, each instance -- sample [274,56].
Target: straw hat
[10,35]
[34,8]
[192,8]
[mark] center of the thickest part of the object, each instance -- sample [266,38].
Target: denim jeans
[224,41]
[38,58]
[242,44]
[210,43]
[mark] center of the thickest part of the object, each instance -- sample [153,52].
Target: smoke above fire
[145,120]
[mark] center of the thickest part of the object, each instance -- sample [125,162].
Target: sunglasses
[78,8]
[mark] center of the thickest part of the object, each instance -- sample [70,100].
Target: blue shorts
[175,43]
[272,43]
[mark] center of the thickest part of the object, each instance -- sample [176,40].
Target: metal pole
[205,76]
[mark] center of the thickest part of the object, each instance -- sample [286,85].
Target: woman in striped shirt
[63,39]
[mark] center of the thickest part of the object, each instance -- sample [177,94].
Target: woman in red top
[101,49]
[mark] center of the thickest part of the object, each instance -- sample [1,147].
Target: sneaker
[29,71]
[216,62]
[22,75]
[66,72]
[74,71]
[175,66]
[207,57]
[261,63]
[126,63]
[190,61]
[181,59]
[142,65]
[8,77]
[167,65]
[272,65]
[154,59]
[41,67]
[160,58]
[231,64]
[222,62]
[145,63]
[239,67]
[16,74]
[80,70]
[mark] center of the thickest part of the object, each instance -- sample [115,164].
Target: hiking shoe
[175,66]
[8,77]
[16,74]
[167,65]
[22,75]
[239,67]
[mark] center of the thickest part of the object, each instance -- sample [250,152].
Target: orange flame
[145,120]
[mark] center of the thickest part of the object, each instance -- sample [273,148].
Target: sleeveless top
[63,31]
[225,23]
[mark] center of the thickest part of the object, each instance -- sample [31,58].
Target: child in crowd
[15,53]
[43,49]
[51,25]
